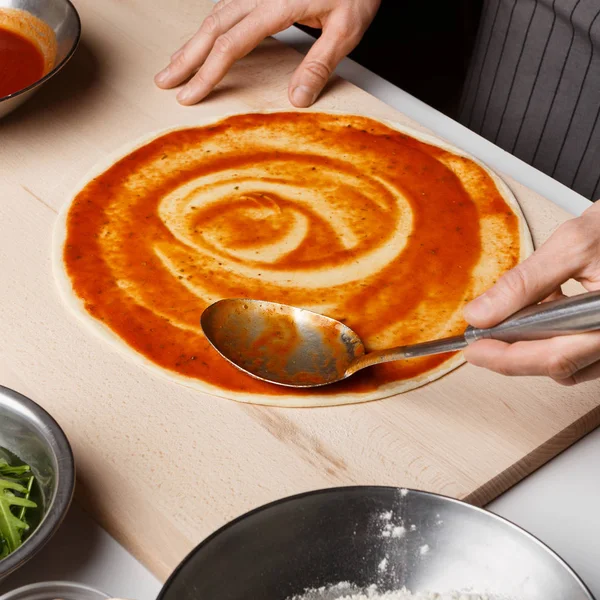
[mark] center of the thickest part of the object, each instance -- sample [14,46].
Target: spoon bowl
[281,344]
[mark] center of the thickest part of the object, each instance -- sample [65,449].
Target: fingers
[572,251]
[564,359]
[567,253]
[235,27]
[193,54]
[231,46]
[588,374]
[309,79]
[220,4]
[216,8]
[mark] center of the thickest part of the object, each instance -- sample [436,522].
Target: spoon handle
[567,316]
[577,314]
[451,344]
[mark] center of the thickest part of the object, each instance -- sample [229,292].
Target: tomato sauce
[21,62]
[342,215]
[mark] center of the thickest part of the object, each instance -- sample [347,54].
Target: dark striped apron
[533,86]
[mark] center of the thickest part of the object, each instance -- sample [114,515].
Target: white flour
[390,528]
[383,565]
[393,530]
[346,591]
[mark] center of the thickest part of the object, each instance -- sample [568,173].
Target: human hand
[235,27]
[573,251]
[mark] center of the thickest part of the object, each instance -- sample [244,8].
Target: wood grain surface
[161,466]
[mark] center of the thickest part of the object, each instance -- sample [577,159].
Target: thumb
[313,73]
[528,283]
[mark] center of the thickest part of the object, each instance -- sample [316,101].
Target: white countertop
[559,503]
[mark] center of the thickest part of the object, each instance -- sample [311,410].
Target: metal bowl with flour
[372,535]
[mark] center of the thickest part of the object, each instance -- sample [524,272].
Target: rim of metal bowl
[65,482]
[52,586]
[366,488]
[57,67]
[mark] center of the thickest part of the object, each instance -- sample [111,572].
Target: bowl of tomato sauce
[37,39]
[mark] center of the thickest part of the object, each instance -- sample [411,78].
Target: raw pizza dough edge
[316,400]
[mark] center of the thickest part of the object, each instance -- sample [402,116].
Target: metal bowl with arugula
[37,479]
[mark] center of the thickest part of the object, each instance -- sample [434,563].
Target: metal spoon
[298,348]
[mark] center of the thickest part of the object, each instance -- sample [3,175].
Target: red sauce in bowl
[21,63]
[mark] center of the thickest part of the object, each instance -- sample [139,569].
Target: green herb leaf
[11,527]
[19,472]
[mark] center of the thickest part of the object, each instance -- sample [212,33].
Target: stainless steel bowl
[63,18]
[347,535]
[50,590]
[35,437]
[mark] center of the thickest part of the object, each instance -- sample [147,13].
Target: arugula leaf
[29,486]
[19,472]
[14,501]
[11,527]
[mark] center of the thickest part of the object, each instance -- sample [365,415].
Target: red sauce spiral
[339,214]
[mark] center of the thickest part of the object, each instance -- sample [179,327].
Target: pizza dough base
[311,400]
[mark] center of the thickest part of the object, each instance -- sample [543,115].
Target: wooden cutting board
[161,466]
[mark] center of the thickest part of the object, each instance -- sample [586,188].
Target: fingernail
[479,309]
[162,76]
[303,96]
[184,95]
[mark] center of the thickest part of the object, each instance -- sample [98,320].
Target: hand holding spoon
[298,348]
